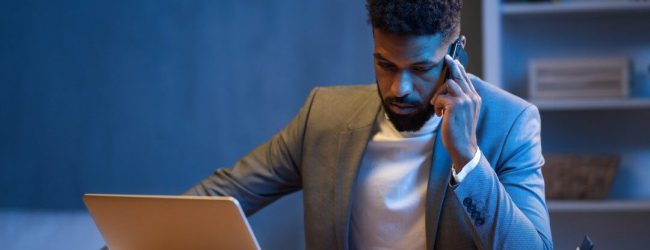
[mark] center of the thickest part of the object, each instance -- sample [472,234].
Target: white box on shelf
[578,78]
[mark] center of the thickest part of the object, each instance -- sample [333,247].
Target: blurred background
[149,97]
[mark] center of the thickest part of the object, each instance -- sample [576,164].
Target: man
[414,161]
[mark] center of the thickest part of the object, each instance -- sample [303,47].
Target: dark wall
[149,97]
[152,96]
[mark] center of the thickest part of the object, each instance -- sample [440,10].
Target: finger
[441,104]
[454,88]
[445,104]
[441,90]
[466,77]
[456,73]
[446,90]
[464,73]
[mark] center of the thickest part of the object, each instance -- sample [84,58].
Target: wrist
[461,159]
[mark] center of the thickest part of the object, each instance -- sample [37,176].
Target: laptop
[144,222]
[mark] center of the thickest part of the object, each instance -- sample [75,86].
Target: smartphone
[456,51]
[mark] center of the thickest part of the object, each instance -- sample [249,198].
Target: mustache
[401,100]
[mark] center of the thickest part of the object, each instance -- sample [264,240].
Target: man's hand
[459,104]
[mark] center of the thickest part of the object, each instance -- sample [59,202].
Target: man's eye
[421,69]
[386,66]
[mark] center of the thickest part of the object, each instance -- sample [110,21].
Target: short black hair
[415,17]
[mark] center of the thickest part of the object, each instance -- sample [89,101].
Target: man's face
[408,71]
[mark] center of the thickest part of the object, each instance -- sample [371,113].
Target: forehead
[409,48]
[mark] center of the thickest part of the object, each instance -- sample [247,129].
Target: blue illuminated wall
[149,97]
[152,96]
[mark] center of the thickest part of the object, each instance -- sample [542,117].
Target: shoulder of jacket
[499,100]
[345,96]
[347,89]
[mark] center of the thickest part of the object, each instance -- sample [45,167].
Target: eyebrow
[423,62]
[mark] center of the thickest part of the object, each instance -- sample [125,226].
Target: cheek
[384,81]
[427,85]
[384,89]
[432,76]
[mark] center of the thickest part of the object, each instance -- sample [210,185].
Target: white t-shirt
[388,204]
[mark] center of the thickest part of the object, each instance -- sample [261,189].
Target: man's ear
[463,40]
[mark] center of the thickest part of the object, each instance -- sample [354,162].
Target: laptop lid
[170,222]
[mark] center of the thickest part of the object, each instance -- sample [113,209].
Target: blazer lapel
[352,145]
[436,189]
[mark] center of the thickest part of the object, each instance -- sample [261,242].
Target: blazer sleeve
[505,206]
[265,174]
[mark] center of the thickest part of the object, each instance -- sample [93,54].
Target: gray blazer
[499,205]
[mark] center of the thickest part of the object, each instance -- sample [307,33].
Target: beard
[407,122]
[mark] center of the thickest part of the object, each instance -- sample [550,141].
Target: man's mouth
[402,108]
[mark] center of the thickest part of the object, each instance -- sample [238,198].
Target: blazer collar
[439,175]
[353,140]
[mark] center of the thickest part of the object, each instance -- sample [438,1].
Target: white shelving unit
[598,206]
[501,22]
[513,34]
[589,104]
[589,7]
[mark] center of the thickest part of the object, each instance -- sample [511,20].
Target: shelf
[591,104]
[598,206]
[513,9]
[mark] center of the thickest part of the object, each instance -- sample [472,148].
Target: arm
[506,208]
[502,203]
[266,173]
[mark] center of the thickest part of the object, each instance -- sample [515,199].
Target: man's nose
[403,85]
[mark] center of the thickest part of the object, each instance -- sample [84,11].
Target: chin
[410,122]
